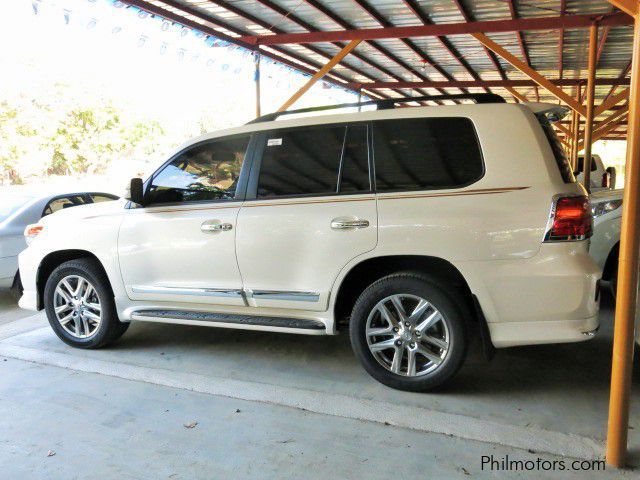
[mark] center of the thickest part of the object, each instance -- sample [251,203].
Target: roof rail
[386,104]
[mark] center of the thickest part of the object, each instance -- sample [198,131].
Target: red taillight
[570,219]
[606,180]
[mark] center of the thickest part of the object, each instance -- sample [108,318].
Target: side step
[230,320]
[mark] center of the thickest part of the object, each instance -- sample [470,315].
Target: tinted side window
[558,151]
[354,171]
[206,172]
[426,153]
[309,161]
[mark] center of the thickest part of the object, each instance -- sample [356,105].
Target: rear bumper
[549,298]
[536,333]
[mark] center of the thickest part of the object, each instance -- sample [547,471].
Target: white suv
[417,229]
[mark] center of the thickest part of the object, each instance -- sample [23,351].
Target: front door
[310,210]
[181,246]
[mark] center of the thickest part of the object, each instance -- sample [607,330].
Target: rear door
[310,209]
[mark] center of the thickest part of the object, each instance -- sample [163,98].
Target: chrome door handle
[215,226]
[346,224]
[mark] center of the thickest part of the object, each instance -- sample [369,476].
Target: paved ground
[127,419]
[9,310]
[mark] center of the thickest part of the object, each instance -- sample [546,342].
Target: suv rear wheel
[408,333]
[80,306]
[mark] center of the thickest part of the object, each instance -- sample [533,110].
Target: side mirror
[136,191]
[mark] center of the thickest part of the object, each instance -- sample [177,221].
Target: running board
[229,320]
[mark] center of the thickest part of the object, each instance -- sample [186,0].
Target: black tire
[16,288]
[110,327]
[417,285]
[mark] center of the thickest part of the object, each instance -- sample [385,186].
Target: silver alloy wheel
[408,344]
[77,306]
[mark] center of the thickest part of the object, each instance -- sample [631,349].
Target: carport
[525,51]
[584,55]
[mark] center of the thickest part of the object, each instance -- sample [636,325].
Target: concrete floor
[541,399]
[9,310]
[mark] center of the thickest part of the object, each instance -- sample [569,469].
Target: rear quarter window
[426,154]
[558,152]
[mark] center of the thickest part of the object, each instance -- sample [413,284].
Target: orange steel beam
[590,93]
[530,72]
[572,140]
[558,82]
[576,133]
[612,118]
[629,7]
[626,295]
[612,101]
[563,9]
[319,74]
[622,75]
[439,29]
[521,97]
[598,134]
[562,128]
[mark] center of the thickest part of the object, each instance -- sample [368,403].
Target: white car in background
[17,210]
[606,208]
[601,178]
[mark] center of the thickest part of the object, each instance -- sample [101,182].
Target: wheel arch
[54,259]
[364,273]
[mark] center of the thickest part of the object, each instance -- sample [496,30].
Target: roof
[462,110]
[550,35]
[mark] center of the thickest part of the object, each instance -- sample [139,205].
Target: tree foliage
[40,140]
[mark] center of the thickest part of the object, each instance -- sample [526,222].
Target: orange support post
[576,133]
[256,80]
[623,339]
[588,127]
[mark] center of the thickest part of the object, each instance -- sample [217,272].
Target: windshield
[9,204]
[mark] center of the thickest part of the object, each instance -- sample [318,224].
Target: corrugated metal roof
[453,58]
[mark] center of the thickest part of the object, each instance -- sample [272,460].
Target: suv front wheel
[80,306]
[408,333]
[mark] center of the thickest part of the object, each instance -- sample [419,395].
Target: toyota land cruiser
[417,229]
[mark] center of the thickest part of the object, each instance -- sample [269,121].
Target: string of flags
[152,31]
